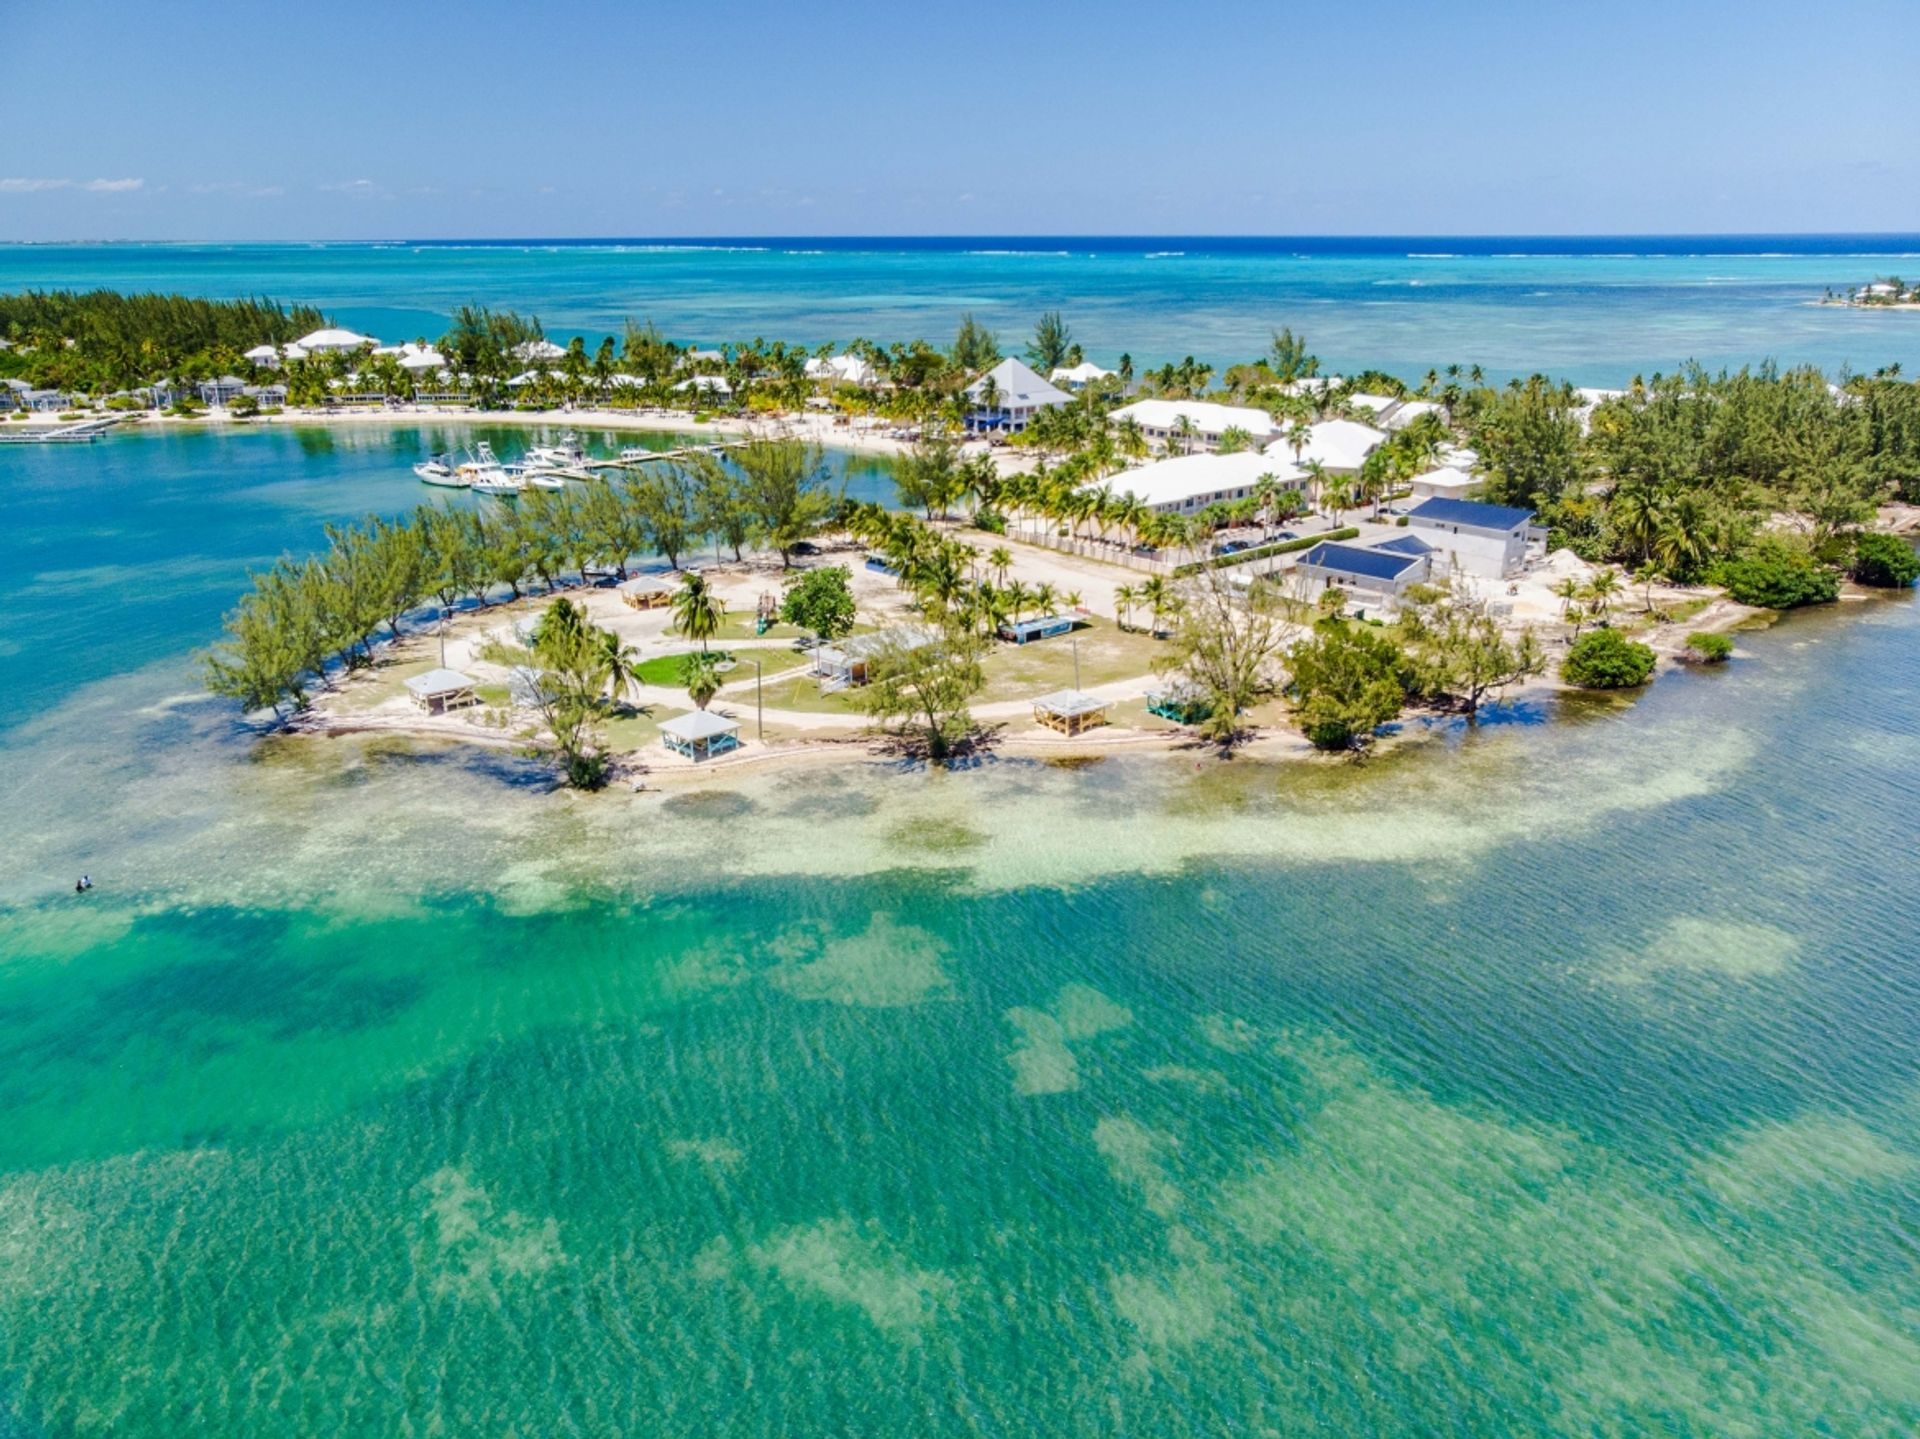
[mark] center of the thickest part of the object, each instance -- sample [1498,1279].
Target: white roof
[1019,387]
[1070,702]
[1593,395]
[715,384]
[1336,444]
[1447,479]
[262,355]
[414,357]
[539,350]
[334,340]
[1084,373]
[1373,403]
[1208,418]
[439,682]
[646,585]
[841,369]
[1184,477]
[293,352]
[698,725]
[1407,411]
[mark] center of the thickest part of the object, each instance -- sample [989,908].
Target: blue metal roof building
[1471,513]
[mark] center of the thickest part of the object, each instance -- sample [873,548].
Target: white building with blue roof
[1469,538]
[1377,574]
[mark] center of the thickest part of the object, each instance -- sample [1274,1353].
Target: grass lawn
[387,681]
[638,731]
[800,693]
[1107,653]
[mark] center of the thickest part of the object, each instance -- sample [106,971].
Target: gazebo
[646,592]
[700,734]
[1070,711]
[438,691]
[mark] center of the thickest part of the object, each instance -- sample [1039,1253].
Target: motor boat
[565,453]
[438,471]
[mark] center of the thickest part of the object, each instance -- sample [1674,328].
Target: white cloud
[98,187]
[354,187]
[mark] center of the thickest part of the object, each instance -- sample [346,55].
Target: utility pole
[759,707]
[1076,660]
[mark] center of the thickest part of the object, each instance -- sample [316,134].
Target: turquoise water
[167,524]
[1555,1078]
[1593,311]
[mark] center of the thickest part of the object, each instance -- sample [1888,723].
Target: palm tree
[1600,592]
[617,662]
[1155,594]
[1124,597]
[999,561]
[1183,433]
[1017,597]
[700,673]
[697,610]
[1044,597]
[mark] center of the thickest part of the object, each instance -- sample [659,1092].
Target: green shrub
[1283,547]
[1884,561]
[1607,660]
[992,521]
[1709,648]
[1777,575]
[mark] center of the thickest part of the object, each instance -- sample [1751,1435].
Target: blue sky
[423,120]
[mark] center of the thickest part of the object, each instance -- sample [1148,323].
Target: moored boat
[437,471]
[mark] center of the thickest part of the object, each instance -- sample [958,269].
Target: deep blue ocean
[1594,310]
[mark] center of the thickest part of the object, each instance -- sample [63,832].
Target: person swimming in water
[84,884]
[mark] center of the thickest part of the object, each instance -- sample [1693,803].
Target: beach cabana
[438,691]
[1041,627]
[1070,711]
[646,592]
[700,734]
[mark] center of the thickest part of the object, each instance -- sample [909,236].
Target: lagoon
[1554,1077]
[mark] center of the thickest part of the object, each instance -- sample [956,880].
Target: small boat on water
[633,454]
[438,470]
[565,453]
[543,479]
[499,481]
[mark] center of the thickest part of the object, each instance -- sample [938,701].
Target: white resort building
[848,369]
[331,340]
[1194,424]
[1340,447]
[1186,483]
[1076,378]
[1008,396]
[1445,483]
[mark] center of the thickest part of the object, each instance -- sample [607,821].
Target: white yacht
[437,471]
[565,453]
[497,480]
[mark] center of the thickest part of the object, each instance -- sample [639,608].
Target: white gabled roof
[710,384]
[1407,411]
[1084,373]
[841,369]
[421,357]
[1447,479]
[539,350]
[262,355]
[1184,477]
[698,725]
[1373,404]
[1336,444]
[334,339]
[1019,387]
[1207,417]
[439,682]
